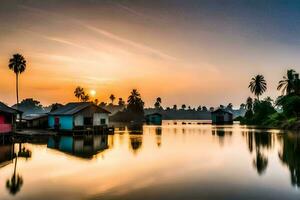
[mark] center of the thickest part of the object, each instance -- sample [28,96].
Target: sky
[193,52]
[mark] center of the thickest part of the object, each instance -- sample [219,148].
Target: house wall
[97,119]
[78,120]
[227,117]
[6,123]
[66,122]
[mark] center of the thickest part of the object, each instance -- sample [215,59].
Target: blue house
[78,116]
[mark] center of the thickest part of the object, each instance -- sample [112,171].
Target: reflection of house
[78,116]
[154,118]
[222,116]
[36,120]
[6,154]
[82,146]
[8,117]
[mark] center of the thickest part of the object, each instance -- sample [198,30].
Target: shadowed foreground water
[167,162]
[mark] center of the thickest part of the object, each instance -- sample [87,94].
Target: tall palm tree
[79,92]
[112,98]
[17,64]
[258,85]
[287,85]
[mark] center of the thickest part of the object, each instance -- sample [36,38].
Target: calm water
[189,161]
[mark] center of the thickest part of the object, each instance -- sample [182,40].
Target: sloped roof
[222,110]
[34,116]
[7,109]
[155,113]
[73,108]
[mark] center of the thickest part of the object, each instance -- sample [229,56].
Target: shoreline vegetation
[283,113]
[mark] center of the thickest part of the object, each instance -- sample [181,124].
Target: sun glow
[93,93]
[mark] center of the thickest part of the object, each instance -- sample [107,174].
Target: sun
[92,93]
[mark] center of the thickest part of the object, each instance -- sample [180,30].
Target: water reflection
[85,146]
[158,132]
[136,142]
[8,155]
[194,162]
[290,156]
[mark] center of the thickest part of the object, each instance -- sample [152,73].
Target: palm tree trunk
[17,89]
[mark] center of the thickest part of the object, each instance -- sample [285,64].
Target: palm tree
[258,85]
[121,102]
[158,99]
[17,64]
[157,103]
[287,85]
[112,98]
[85,98]
[183,106]
[249,103]
[135,102]
[79,92]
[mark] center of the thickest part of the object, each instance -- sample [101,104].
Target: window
[88,121]
[103,121]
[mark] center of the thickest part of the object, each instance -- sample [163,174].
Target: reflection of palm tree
[136,143]
[262,140]
[15,183]
[260,163]
[290,155]
[258,85]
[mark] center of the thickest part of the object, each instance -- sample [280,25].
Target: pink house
[8,117]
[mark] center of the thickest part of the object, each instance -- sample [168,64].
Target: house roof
[73,108]
[222,110]
[7,109]
[156,113]
[34,116]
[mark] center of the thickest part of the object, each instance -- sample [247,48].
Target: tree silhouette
[121,102]
[249,103]
[79,93]
[157,103]
[229,106]
[85,98]
[135,102]
[17,64]
[258,85]
[174,107]
[183,106]
[290,83]
[112,98]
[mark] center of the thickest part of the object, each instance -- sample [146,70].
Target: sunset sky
[185,51]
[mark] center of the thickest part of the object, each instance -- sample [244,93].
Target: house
[78,116]
[222,116]
[154,118]
[36,120]
[8,118]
